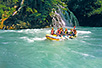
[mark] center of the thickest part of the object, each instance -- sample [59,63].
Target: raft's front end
[52,37]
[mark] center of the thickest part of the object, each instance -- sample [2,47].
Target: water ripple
[84,54]
[5,42]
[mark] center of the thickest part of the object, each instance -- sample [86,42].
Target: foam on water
[48,31]
[32,39]
[4,31]
[84,32]
[33,31]
[84,54]
[5,42]
[84,36]
[20,31]
[39,39]
[24,31]
[1,37]
[27,39]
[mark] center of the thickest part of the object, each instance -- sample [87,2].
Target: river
[29,48]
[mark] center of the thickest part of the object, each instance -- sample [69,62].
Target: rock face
[85,11]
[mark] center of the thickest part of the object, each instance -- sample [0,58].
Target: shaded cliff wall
[89,13]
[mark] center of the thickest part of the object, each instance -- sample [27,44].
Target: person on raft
[52,31]
[66,32]
[74,31]
[57,32]
[71,32]
[60,32]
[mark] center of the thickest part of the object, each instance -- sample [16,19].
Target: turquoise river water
[29,48]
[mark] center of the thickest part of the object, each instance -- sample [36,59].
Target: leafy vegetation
[7,7]
[98,10]
[37,13]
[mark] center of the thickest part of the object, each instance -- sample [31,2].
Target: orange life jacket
[52,32]
[75,32]
[59,32]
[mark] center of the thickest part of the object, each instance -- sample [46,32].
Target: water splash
[83,54]
[30,40]
[84,32]
[5,42]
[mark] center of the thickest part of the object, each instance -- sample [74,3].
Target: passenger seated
[57,32]
[66,32]
[52,31]
[74,31]
[71,32]
[62,32]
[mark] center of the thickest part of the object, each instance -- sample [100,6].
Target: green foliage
[7,7]
[35,10]
[98,10]
[28,9]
